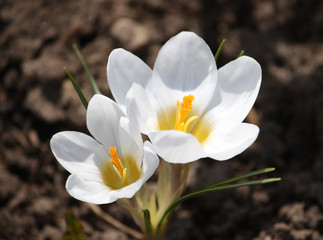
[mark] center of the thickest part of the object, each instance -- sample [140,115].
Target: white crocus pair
[188,109]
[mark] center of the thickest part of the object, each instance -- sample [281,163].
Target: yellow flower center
[179,118]
[117,174]
[122,172]
[182,111]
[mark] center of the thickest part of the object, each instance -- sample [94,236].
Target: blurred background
[37,100]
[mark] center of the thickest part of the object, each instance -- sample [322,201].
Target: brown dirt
[37,100]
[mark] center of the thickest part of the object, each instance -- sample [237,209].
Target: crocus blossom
[112,165]
[188,108]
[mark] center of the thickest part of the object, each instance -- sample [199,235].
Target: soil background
[37,100]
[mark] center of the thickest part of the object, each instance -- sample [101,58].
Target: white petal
[176,147]
[98,193]
[230,140]
[238,86]
[131,130]
[89,191]
[130,140]
[150,164]
[103,117]
[186,64]
[150,161]
[140,109]
[79,154]
[123,69]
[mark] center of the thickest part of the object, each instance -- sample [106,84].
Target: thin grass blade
[234,179]
[218,52]
[148,226]
[87,70]
[77,88]
[241,53]
[213,189]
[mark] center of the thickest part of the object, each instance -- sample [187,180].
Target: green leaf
[74,229]
[218,52]
[87,70]
[234,179]
[218,186]
[148,226]
[77,88]
[241,53]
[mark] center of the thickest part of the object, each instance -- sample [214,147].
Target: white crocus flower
[188,107]
[112,165]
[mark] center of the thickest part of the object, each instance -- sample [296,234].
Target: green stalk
[212,189]
[77,88]
[87,70]
[218,52]
[234,179]
[241,53]
[74,229]
[148,227]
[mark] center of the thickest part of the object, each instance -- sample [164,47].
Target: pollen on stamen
[182,111]
[187,102]
[116,161]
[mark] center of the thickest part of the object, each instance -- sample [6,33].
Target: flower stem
[157,234]
[170,186]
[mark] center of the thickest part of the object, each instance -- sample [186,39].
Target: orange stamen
[182,111]
[115,160]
